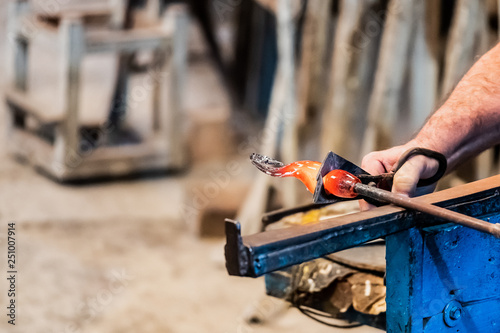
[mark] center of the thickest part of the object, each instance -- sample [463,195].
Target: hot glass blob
[340,183]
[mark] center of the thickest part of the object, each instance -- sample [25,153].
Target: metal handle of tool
[415,204]
[440,158]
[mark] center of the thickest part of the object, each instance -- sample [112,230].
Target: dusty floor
[120,257]
[117,257]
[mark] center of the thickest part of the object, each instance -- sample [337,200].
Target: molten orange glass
[337,182]
[340,183]
[305,171]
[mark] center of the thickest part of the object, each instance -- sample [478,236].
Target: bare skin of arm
[465,125]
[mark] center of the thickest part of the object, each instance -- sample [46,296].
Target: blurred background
[127,127]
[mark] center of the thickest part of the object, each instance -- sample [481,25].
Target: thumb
[407,177]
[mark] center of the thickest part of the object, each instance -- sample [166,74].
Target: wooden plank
[22,101]
[467,40]
[30,27]
[368,257]
[170,94]
[311,77]
[125,41]
[424,62]
[277,119]
[102,161]
[357,40]
[286,63]
[389,79]
[63,8]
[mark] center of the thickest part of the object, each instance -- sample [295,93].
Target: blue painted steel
[258,254]
[440,277]
[430,268]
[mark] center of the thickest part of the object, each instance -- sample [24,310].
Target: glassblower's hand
[405,180]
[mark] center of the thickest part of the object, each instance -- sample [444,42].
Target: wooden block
[213,199]
[210,137]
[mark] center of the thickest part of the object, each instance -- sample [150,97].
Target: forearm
[469,121]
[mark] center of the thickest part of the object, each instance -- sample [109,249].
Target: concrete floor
[120,257]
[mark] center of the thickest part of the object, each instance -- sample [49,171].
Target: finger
[373,164]
[363,205]
[416,168]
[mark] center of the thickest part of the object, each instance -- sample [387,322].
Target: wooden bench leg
[21,64]
[67,150]
[169,96]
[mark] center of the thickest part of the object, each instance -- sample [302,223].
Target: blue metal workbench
[440,277]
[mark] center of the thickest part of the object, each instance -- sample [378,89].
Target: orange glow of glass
[340,183]
[305,171]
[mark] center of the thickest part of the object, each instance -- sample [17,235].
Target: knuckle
[368,157]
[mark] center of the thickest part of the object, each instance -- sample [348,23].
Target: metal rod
[415,204]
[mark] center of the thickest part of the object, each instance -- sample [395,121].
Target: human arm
[466,124]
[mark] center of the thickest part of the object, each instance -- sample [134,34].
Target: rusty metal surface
[416,204]
[265,252]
